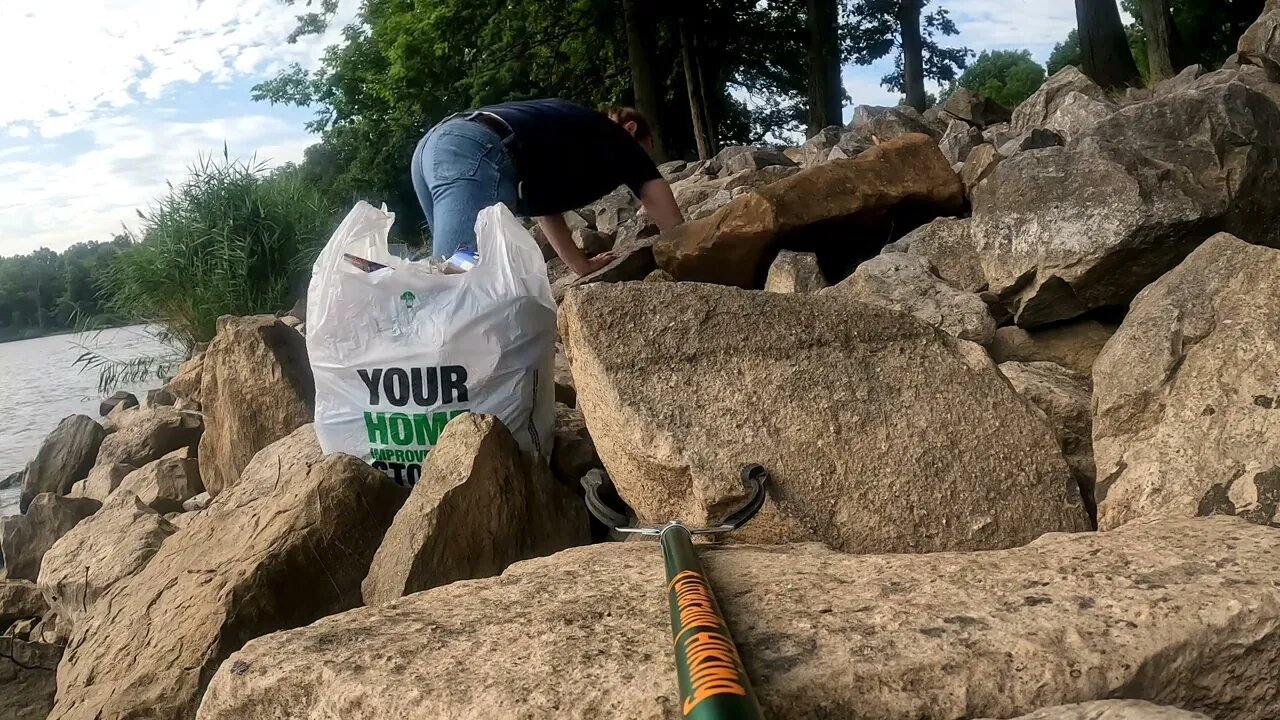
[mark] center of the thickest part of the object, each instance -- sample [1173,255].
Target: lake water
[39,386]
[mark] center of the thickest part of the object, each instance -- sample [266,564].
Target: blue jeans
[459,169]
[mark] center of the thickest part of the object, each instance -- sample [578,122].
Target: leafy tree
[1006,76]
[881,27]
[44,291]
[1065,53]
[1201,31]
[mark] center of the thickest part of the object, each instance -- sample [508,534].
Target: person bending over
[541,158]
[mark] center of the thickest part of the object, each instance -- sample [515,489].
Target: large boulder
[20,600]
[1113,710]
[1035,111]
[1186,402]
[1183,613]
[24,539]
[285,546]
[1073,345]
[978,166]
[756,159]
[880,124]
[975,109]
[1062,231]
[1263,37]
[102,481]
[185,384]
[64,458]
[832,204]
[950,249]
[816,149]
[255,388]
[165,484]
[117,399]
[28,680]
[909,283]
[794,272]
[1078,114]
[880,432]
[480,505]
[113,544]
[1065,398]
[959,140]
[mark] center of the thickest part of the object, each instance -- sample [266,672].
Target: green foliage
[1065,53]
[46,292]
[875,32]
[231,239]
[1207,29]
[1006,76]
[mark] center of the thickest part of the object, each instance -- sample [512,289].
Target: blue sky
[104,101]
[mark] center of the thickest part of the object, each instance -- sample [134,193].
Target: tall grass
[232,239]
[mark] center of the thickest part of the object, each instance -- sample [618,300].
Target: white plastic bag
[400,351]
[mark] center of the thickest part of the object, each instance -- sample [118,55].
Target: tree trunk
[912,54]
[641,29]
[1103,44]
[1163,47]
[697,103]
[826,91]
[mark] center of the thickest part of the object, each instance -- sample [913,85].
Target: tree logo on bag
[409,299]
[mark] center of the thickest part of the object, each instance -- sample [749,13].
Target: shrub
[1006,76]
[232,239]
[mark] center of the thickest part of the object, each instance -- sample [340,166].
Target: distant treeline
[47,292]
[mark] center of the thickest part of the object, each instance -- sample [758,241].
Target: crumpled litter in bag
[400,350]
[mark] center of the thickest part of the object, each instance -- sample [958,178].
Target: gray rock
[614,209]
[950,250]
[64,458]
[480,505]
[25,539]
[682,384]
[1073,345]
[1263,37]
[283,547]
[1182,613]
[908,283]
[794,272]
[1036,110]
[1187,403]
[672,167]
[159,396]
[28,677]
[1064,396]
[632,264]
[592,242]
[879,124]
[20,600]
[1113,710]
[818,148]
[1062,231]
[165,484]
[1034,139]
[959,140]
[112,545]
[978,166]
[1184,80]
[999,134]
[975,109]
[1077,115]
[13,480]
[197,503]
[756,159]
[119,398]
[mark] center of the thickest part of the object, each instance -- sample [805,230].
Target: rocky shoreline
[1015,375]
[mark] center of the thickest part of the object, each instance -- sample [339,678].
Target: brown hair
[623,114]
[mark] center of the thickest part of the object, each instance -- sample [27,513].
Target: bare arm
[661,205]
[561,239]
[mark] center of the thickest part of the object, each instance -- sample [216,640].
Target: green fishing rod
[713,682]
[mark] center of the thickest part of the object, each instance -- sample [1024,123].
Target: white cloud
[96,71]
[68,61]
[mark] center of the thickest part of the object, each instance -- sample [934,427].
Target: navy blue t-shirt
[569,156]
